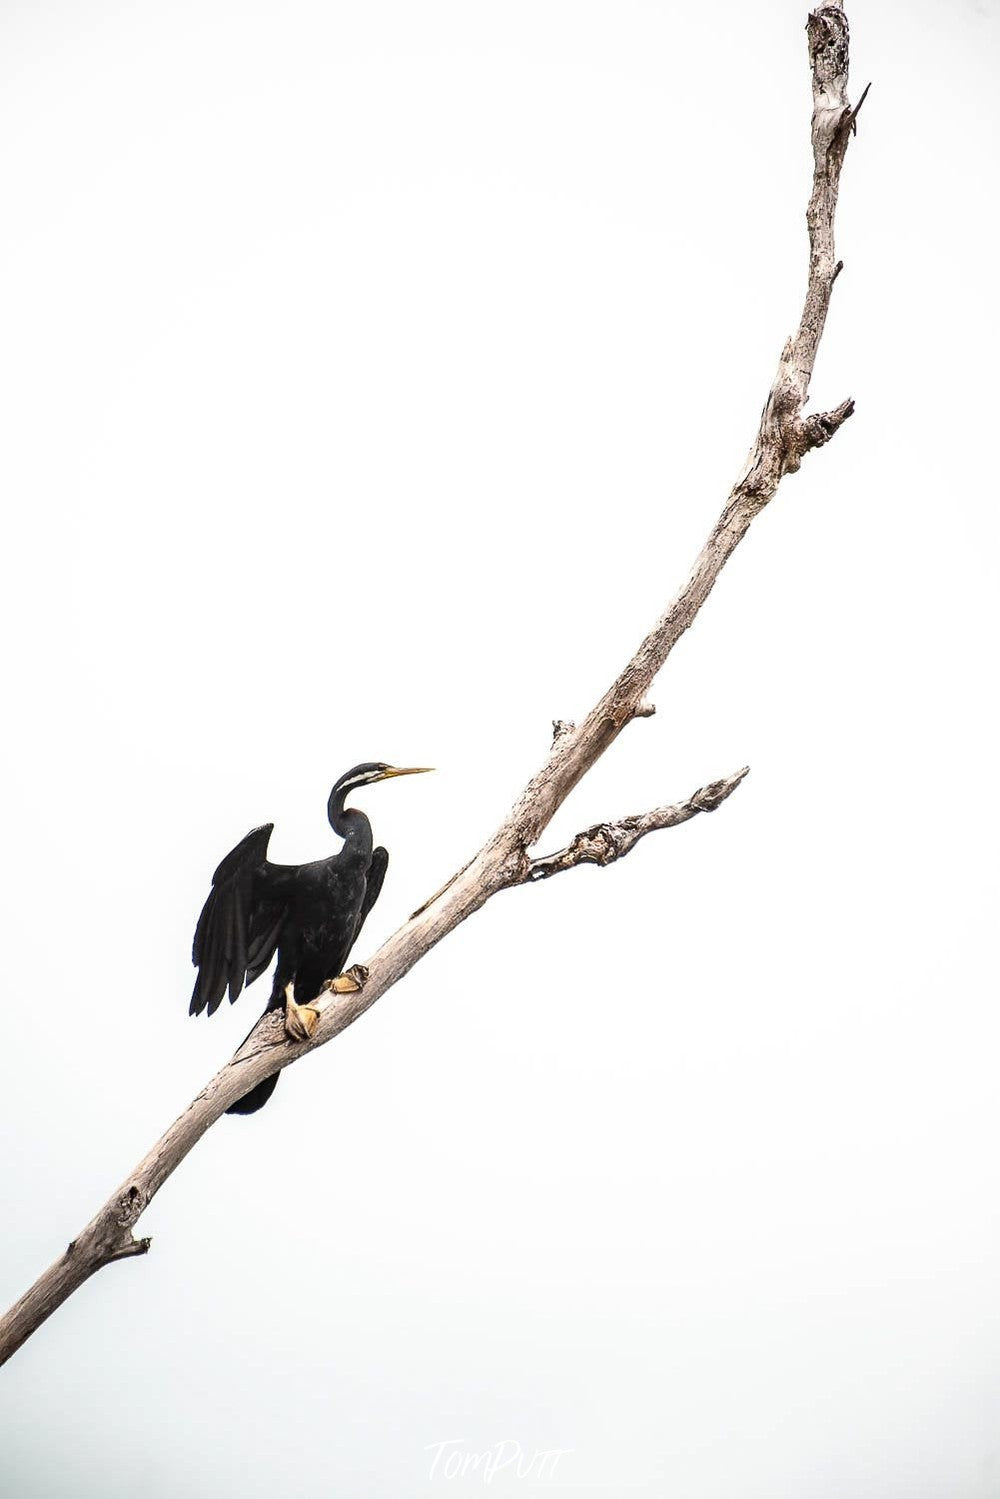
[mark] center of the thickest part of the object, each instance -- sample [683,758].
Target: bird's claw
[350,982]
[300,1020]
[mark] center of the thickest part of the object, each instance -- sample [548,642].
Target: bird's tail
[256,1098]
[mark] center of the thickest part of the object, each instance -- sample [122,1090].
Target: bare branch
[782,439]
[607,841]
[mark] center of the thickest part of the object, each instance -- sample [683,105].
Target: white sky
[370,377]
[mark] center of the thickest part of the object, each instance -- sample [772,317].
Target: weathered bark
[784,436]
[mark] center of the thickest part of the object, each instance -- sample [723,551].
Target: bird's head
[372,771]
[368,774]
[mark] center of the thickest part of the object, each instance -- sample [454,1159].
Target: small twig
[822,425]
[129,1248]
[852,118]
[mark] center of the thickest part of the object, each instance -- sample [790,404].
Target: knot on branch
[131,1205]
[109,1237]
[601,844]
[605,842]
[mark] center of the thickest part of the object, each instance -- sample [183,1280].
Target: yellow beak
[406,770]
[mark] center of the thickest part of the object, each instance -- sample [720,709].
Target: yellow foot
[350,982]
[300,1020]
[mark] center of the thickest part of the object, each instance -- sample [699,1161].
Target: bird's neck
[352,825]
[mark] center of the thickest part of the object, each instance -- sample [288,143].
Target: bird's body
[327,903]
[311,914]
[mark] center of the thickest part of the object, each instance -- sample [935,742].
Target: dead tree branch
[607,841]
[784,436]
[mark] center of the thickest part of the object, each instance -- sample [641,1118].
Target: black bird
[310,913]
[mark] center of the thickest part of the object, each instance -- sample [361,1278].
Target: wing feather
[239,926]
[262,945]
[373,884]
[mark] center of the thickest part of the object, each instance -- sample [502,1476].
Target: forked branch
[784,436]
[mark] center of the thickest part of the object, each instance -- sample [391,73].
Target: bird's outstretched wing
[240,923]
[373,884]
